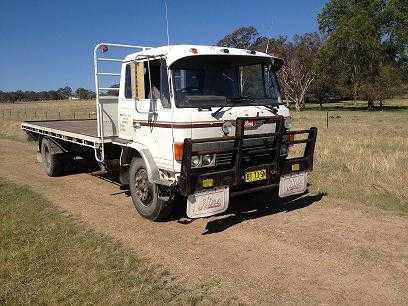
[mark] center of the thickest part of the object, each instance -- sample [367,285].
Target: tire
[145,195]
[53,162]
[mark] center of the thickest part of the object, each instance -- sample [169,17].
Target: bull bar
[246,157]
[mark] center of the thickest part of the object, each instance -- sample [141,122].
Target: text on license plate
[254,176]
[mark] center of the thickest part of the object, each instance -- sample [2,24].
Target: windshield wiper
[272,108]
[218,111]
[252,100]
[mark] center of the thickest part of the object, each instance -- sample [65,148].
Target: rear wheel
[52,162]
[146,196]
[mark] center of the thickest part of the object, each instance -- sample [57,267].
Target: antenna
[167,24]
[269,39]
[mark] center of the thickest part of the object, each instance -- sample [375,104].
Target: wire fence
[39,114]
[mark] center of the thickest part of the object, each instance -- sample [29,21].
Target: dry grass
[46,257]
[363,156]
[64,109]
[11,115]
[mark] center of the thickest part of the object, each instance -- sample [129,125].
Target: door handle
[137,125]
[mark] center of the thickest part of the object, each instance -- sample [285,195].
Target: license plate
[208,203]
[254,176]
[292,184]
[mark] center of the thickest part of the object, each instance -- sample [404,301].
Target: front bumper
[244,153]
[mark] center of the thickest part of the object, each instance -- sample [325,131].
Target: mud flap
[208,203]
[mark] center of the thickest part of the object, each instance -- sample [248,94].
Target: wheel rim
[143,188]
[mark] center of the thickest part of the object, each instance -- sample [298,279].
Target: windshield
[205,81]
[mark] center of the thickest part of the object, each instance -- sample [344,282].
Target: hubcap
[143,187]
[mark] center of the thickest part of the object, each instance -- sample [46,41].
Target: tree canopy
[242,38]
[59,94]
[366,50]
[361,52]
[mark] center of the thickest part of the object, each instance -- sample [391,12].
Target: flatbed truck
[199,123]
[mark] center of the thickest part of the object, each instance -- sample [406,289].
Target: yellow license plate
[254,176]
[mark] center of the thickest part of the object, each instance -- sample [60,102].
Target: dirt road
[312,250]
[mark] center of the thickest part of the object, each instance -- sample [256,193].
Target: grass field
[49,258]
[361,156]
[11,115]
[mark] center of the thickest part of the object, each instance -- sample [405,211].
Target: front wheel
[146,195]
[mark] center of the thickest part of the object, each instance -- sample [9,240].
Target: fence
[38,114]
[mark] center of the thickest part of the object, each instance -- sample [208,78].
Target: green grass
[46,257]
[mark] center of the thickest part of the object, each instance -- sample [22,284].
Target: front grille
[222,159]
[253,154]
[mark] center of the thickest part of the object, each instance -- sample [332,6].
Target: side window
[153,77]
[158,80]
[128,82]
[164,85]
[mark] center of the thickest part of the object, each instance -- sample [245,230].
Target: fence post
[327,120]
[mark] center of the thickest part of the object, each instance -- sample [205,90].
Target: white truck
[199,123]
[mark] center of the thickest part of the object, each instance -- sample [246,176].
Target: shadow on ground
[80,166]
[258,206]
[252,206]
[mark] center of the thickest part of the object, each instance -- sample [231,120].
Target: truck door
[152,119]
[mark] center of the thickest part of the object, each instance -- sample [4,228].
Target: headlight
[195,161]
[201,161]
[207,160]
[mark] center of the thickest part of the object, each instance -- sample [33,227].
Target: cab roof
[175,52]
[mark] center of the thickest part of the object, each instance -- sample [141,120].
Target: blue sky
[47,44]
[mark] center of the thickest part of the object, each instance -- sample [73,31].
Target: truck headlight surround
[202,161]
[207,160]
[195,161]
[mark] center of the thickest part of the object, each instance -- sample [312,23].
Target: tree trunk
[370,104]
[300,103]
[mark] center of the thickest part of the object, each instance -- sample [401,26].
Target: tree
[84,94]
[113,93]
[364,45]
[297,74]
[64,93]
[242,38]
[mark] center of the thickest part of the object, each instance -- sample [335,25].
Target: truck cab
[186,104]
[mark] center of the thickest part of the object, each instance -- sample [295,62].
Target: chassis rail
[246,158]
